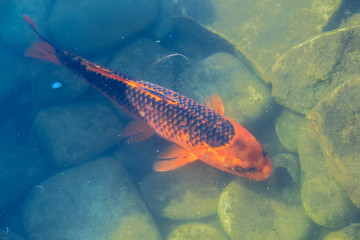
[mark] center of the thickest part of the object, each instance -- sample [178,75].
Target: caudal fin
[41,50]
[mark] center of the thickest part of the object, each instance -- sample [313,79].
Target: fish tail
[43,49]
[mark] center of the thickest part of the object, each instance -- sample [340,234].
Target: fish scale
[188,120]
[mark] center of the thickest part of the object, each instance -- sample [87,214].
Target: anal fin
[137,131]
[172,158]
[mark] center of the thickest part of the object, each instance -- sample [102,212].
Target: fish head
[242,156]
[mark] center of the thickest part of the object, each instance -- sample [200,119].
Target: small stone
[95,200]
[20,169]
[246,215]
[312,70]
[78,132]
[189,192]
[335,123]
[90,27]
[288,126]
[196,231]
[350,232]
[246,99]
[326,203]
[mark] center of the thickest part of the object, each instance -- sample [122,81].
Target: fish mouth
[265,172]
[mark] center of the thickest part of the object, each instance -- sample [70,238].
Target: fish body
[199,131]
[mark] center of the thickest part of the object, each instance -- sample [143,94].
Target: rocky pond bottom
[287,71]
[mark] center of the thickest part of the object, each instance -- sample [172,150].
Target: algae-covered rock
[287,127]
[247,215]
[92,27]
[312,159]
[324,200]
[326,203]
[353,20]
[312,70]
[335,122]
[246,99]
[264,30]
[351,232]
[95,200]
[196,231]
[78,132]
[189,192]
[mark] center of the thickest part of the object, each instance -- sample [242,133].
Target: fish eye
[238,169]
[252,169]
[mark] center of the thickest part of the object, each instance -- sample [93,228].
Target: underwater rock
[324,200]
[144,59]
[20,169]
[312,159]
[247,215]
[350,232]
[326,203]
[312,70]
[335,123]
[246,99]
[286,177]
[288,126]
[78,132]
[189,192]
[263,30]
[95,200]
[13,29]
[92,27]
[196,231]
[353,20]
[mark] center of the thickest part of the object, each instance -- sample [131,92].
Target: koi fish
[198,131]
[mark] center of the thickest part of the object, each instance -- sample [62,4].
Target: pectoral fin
[174,157]
[215,103]
[137,131]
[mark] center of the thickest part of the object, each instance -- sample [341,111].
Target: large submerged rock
[264,30]
[96,200]
[20,169]
[335,123]
[246,99]
[92,27]
[312,70]
[190,192]
[78,132]
[246,215]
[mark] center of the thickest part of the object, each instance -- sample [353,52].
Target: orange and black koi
[199,131]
